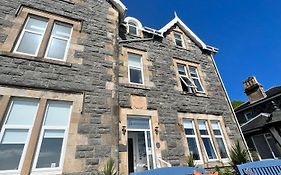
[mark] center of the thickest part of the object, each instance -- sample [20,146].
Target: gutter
[232,110]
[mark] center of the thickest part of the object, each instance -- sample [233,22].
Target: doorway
[140,151]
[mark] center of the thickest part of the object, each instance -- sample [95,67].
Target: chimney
[253,89]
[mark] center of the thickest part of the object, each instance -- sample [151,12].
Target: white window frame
[181,39]
[265,138]
[60,38]
[247,113]
[27,127]
[211,140]
[223,139]
[198,78]
[26,30]
[46,171]
[135,26]
[186,76]
[200,161]
[136,68]
[146,141]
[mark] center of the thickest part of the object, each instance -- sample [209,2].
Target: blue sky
[248,34]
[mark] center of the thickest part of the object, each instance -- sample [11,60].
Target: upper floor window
[189,78]
[133,25]
[135,68]
[132,28]
[178,39]
[248,115]
[49,37]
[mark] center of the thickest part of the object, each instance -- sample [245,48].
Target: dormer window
[178,39]
[132,28]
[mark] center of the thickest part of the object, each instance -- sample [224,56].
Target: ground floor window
[33,131]
[206,138]
[266,146]
[140,144]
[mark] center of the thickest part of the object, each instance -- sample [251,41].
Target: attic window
[132,28]
[178,39]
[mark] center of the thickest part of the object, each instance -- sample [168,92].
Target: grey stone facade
[96,76]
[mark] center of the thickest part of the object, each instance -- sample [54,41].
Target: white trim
[200,161]
[65,138]
[133,20]
[60,38]
[211,140]
[27,127]
[119,5]
[189,33]
[261,114]
[135,67]
[29,31]
[223,139]
[198,78]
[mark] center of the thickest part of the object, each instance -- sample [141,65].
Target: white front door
[140,151]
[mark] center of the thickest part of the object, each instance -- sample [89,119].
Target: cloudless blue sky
[247,33]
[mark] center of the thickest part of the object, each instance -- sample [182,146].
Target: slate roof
[269,93]
[261,121]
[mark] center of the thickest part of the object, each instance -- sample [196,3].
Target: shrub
[238,155]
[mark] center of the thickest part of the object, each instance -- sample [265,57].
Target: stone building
[80,82]
[260,120]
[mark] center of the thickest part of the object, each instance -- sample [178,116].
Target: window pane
[216,128]
[36,24]
[179,43]
[10,155]
[57,113]
[198,85]
[132,30]
[22,111]
[177,36]
[62,30]
[188,127]
[13,136]
[135,76]
[274,146]
[262,147]
[181,69]
[138,123]
[222,148]
[185,87]
[202,128]
[193,149]
[187,81]
[134,60]
[193,71]
[209,148]
[57,48]
[50,152]
[29,43]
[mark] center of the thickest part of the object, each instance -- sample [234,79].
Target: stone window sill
[195,94]
[37,59]
[135,86]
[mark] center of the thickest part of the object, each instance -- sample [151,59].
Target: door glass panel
[50,152]
[22,111]
[57,113]
[149,148]
[262,147]
[138,123]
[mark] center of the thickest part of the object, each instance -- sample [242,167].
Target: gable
[188,32]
